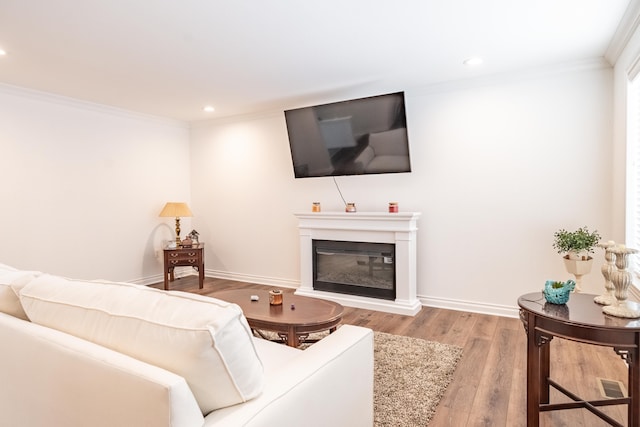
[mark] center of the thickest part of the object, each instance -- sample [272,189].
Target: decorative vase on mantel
[578,265]
[608,298]
[621,279]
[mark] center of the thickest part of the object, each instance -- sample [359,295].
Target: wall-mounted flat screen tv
[355,137]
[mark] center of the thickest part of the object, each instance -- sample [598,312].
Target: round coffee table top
[296,314]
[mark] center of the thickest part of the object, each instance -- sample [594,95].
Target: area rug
[410,377]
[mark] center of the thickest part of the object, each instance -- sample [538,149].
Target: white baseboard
[146,281]
[178,273]
[470,306]
[248,278]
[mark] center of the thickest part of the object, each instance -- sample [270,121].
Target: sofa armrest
[328,384]
[55,379]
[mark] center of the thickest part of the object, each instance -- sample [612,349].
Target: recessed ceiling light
[209,109]
[2,52]
[473,61]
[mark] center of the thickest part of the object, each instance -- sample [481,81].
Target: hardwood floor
[489,385]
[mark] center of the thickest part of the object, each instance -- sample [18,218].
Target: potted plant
[577,245]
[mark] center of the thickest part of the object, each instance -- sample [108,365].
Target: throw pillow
[11,281]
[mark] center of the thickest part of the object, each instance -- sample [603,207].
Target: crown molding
[11,90]
[247,117]
[516,75]
[628,26]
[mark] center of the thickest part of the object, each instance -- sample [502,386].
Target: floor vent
[611,389]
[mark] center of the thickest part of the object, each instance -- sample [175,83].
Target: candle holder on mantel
[621,279]
[608,298]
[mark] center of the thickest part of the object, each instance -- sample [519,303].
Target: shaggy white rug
[410,377]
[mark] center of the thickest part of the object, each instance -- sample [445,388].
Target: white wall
[82,186]
[498,166]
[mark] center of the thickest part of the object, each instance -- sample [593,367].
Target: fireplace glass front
[355,268]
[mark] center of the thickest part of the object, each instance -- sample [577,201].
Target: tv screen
[355,137]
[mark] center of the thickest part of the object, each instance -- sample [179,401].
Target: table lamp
[177,210]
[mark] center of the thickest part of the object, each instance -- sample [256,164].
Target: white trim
[37,95]
[146,281]
[633,69]
[627,27]
[514,76]
[246,117]
[248,278]
[470,306]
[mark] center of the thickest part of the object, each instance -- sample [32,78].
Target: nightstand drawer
[183,255]
[184,262]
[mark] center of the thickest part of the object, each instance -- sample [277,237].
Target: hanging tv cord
[336,183]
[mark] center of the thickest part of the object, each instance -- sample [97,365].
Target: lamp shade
[176,210]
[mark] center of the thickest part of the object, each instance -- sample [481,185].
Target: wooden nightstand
[184,257]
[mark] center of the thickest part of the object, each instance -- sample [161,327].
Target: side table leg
[201,276]
[634,385]
[545,371]
[533,374]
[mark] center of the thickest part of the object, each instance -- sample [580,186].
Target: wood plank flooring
[489,385]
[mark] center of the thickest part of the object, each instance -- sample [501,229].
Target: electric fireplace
[355,268]
[367,275]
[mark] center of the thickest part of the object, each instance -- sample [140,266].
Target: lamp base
[178,231]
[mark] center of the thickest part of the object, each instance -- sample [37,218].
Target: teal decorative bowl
[558,292]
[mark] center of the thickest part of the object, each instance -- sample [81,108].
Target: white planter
[582,255]
[578,268]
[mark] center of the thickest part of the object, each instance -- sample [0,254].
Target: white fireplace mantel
[376,227]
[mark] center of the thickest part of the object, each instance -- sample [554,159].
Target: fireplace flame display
[355,268]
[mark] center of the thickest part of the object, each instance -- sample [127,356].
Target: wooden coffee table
[293,320]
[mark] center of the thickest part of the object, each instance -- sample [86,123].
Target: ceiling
[171,58]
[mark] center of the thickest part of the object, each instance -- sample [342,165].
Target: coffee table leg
[292,338]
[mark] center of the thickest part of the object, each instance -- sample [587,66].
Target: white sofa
[87,353]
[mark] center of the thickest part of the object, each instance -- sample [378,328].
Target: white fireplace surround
[374,227]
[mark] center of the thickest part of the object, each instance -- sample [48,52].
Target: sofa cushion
[204,340]
[11,281]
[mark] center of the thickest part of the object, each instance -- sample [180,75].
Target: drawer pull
[192,254]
